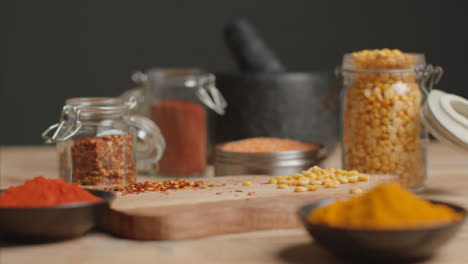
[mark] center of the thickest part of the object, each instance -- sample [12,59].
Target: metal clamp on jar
[445,115]
[98,141]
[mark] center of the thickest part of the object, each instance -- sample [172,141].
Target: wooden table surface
[448,181]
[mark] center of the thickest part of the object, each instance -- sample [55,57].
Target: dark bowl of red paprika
[64,221]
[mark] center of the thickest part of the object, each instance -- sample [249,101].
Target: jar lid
[446,117]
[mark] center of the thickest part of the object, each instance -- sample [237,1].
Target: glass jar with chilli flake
[98,141]
[381,101]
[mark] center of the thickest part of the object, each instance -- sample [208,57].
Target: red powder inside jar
[183,125]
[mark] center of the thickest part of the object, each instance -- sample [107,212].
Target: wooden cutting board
[227,208]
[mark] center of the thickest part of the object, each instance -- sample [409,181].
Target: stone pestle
[249,49]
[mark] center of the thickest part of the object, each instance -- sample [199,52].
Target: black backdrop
[52,50]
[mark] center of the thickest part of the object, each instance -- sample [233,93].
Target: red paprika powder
[183,125]
[42,192]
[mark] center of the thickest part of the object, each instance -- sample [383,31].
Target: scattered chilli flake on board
[160,186]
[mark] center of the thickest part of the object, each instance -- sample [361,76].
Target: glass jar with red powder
[177,100]
[98,141]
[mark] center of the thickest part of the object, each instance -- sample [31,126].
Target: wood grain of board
[227,208]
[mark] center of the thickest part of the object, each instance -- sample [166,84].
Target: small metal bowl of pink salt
[266,156]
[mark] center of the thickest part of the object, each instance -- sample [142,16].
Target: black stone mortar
[264,100]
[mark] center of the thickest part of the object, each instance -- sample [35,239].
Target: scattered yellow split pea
[355,190]
[300,189]
[283,181]
[247,183]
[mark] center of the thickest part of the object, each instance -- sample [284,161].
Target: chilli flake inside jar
[382,131]
[96,141]
[103,160]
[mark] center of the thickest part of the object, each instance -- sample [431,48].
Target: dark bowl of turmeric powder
[387,223]
[50,209]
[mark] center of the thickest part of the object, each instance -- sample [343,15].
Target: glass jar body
[381,128]
[182,118]
[98,142]
[178,100]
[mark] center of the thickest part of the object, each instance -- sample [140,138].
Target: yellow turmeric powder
[387,206]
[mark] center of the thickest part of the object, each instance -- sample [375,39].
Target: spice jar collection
[381,132]
[100,142]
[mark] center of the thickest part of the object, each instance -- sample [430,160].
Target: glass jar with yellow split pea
[381,128]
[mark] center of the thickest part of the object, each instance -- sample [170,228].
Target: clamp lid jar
[179,100]
[382,97]
[98,141]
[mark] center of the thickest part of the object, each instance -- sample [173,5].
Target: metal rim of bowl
[268,157]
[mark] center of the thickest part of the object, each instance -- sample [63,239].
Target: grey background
[53,50]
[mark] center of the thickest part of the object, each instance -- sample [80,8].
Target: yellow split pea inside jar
[382,132]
